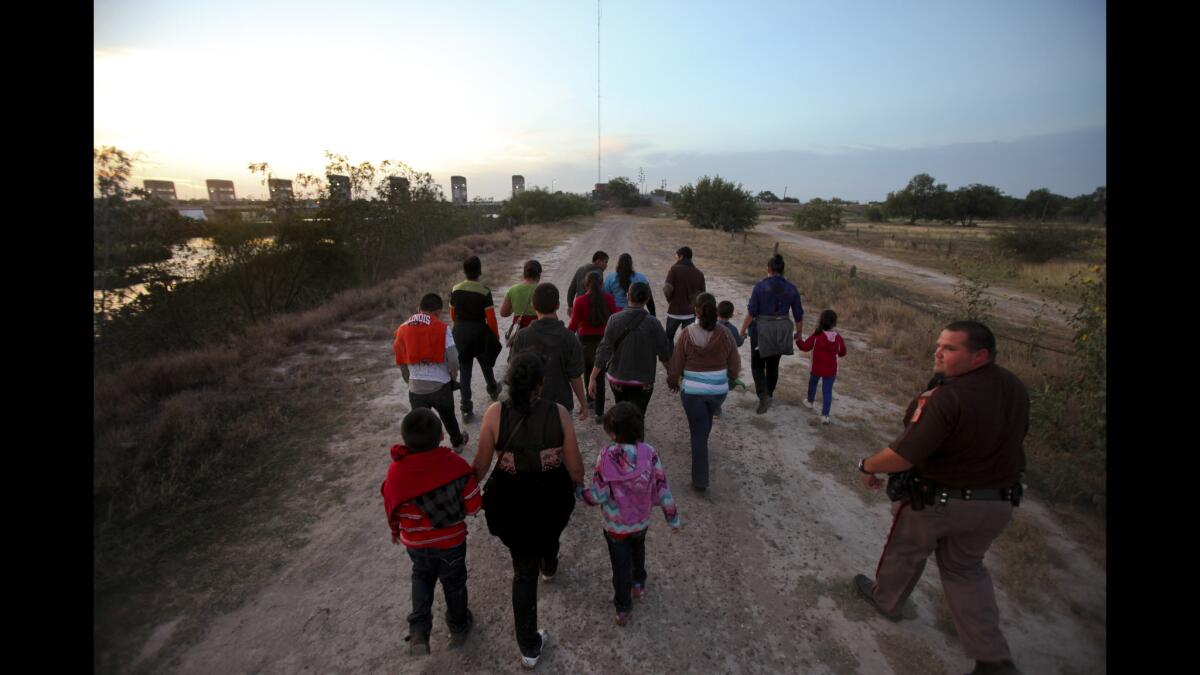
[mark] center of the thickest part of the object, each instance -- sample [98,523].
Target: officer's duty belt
[972,494]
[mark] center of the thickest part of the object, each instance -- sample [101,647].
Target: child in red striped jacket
[827,347]
[427,496]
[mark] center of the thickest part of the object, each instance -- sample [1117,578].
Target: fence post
[776,247]
[853,271]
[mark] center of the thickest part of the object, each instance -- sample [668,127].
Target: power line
[598,92]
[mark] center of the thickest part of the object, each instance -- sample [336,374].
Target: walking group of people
[613,340]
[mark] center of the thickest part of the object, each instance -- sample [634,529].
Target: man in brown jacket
[963,439]
[684,283]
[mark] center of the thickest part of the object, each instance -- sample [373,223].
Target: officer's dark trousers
[959,534]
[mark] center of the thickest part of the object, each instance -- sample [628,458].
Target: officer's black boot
[995,668]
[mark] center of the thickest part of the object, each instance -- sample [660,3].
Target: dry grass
[161,424]
[1026,562]
[940,247]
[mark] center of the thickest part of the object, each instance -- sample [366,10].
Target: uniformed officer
[963,439]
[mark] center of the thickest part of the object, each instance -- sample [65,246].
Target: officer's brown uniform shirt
[969,431]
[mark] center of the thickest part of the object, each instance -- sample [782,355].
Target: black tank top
[537,443]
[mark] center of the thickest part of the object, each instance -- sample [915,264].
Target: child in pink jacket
[629,481]
[827,347]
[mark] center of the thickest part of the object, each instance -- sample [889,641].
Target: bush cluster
[819,214]
[539,205]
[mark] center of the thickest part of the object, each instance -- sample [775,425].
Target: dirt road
[757,581]
[1009,303]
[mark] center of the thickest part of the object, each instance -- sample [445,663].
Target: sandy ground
[757,581]
[1011,303]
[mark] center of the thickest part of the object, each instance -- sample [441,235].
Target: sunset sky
[846,99]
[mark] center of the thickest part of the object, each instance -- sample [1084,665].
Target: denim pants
[429,565]
[674,324]
[464,379]
[699,410]
[590,342]
[628,558]
[524,594]
[442,402]
[826,391]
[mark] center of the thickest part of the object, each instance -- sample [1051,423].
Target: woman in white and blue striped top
[706,358]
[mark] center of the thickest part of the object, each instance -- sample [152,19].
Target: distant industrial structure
[280,189]
[458,189]
[399,189]
[339,186]
[220,191]
[163,189]
[518,185]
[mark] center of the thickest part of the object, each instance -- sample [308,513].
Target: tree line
[926,199]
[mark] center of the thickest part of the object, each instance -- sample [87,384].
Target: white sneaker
[806,403]
[531,662]
[824,419]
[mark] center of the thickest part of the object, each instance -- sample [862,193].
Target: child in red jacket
[827,347]
[428,494]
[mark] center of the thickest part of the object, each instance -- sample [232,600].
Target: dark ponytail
[624,271]
[706,311]
[598,314]
[523,378]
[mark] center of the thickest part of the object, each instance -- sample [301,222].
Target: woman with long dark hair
[531,493]
[589,316]
[617,283]
[770,331]
[706,358]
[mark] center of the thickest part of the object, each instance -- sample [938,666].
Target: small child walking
[724,314]
[629,481]
[428,493]
[827,347]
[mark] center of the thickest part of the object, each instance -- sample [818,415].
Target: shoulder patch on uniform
[921,401]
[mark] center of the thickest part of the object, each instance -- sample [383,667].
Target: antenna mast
[598,92]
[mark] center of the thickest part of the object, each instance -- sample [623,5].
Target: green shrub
[817,215]
[716,204]
[539,205]
[874,214]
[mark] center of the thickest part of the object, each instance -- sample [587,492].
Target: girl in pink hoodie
[628,482]
[827,347]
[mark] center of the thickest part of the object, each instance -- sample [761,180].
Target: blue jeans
[628,558]
[699,410]
[430,565]
[826,391]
